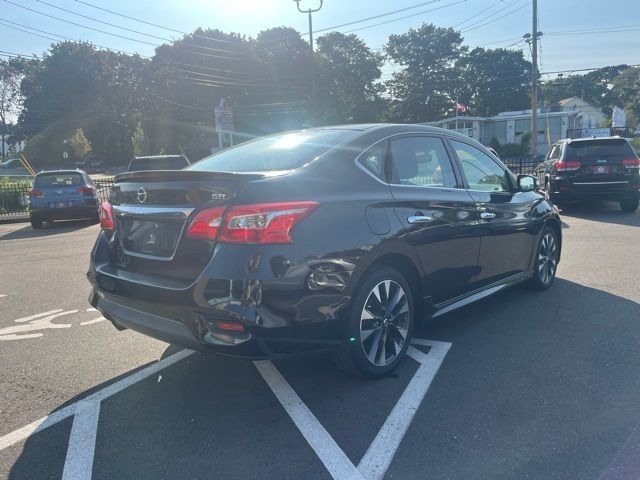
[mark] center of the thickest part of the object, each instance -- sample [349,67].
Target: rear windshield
[605,149]
[173,163]
[277,152]
[58,180]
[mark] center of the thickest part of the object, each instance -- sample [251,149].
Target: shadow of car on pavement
[525,368]
[48,229]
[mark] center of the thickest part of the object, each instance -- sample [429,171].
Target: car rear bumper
[65,213]
[615,190]
[279,315]
[189,329]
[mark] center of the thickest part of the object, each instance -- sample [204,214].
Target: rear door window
[373,160]
[59,180]
[421,161]
[604,149]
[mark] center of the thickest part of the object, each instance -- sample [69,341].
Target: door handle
[487,215]
[420,219]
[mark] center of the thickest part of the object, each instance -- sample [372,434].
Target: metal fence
[521,165]
[14,195]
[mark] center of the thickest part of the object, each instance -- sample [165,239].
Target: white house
[554,123]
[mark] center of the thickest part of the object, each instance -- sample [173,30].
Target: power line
[404,17]
[115,34]
[477,14]
[150,23]
[3,21]
[492,14]
[495,19]
[377,16]
[80,25]
[103,22]
[129,29]
[26,31]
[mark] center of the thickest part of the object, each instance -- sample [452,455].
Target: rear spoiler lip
[193,175]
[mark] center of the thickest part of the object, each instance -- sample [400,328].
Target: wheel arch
[406,263]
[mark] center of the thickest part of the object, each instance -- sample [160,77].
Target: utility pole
[313,61]
[534,81]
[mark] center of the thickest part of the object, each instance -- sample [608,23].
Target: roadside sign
[223,116]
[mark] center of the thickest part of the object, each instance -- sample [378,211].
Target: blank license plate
[60,204]
[601,169]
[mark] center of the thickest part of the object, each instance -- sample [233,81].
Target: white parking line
[376,461]
[331,455]
[82,442]
[91,322]
[57,416]
[373,466]
[378,457]
[1,295]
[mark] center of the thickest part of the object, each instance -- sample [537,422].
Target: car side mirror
[527,183]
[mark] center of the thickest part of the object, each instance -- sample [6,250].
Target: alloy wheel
[384,323]
[547,258]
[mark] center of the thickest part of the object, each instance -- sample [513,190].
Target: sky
[568,43]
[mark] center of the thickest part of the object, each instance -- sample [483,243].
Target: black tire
[36,223]
[384,327]
[629,205]
[546,260]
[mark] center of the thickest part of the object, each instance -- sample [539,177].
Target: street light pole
[313,62]
[534,81]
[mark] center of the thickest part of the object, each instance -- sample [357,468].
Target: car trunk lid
[598,161]
[152,211]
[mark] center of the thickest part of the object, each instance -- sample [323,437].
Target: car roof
[391,128]
[590,139]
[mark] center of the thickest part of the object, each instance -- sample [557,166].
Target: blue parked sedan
[62,195]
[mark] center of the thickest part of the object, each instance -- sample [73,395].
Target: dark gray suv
[604,168]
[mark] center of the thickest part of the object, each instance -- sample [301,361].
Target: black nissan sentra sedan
[336,238]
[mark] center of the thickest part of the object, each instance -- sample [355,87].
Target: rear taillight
[206,224]
[106,217]
[264,222]
[632,163]
[33,193]
[85,190]
[568,166]
[258,223]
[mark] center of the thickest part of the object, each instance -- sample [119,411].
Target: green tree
[284,99]
[76,86]
[593,87]
[350,71]
[11,73]
[79,144]
[626,93]
[425,87]
[495,80]
[139,141]
[186,81]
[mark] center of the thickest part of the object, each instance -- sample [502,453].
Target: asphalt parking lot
[522,385]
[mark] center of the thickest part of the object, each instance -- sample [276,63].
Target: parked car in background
[591,168]
[62,195]
[336,238]
[89,166]
[158,162]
